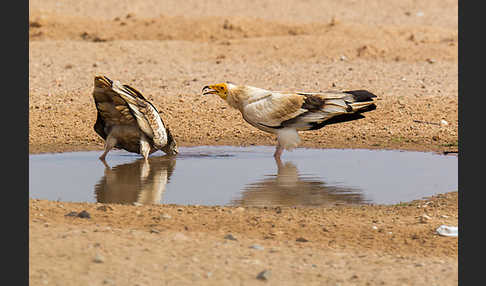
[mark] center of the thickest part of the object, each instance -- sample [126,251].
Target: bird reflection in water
[288,188]
[142,181]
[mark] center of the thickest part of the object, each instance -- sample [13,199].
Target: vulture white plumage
[285,113]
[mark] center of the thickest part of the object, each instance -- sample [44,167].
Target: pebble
[301,239]
[84,214]
[257,247]
[264,275]
[98,258]
[71,214]
[230,237]
[424,218]
[165,216]
[444,123]
[446,230]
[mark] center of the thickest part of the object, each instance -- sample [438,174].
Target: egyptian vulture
[285,113]
[126,120]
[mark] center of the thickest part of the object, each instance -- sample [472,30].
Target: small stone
[301,239]
[71,214]
[230,237]
[444,123]
[374,227]
[445,230]
[84,214]
[165,216]
[154,231]
[264,275]
[257,247]
[98,258]
[424,218]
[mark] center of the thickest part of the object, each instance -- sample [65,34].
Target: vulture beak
[208,90]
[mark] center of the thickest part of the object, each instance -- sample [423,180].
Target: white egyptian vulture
[286,113]
[126,120]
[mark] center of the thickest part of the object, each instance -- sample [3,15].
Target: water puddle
[247,176]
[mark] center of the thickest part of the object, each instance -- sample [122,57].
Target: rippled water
[223,175]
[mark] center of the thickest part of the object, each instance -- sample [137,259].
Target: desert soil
[403,51]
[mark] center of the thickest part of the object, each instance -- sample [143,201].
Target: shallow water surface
[223,175]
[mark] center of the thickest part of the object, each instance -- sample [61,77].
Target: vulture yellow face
[220,89]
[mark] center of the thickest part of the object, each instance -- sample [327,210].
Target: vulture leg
[278,152]
[109,144]
[144,147]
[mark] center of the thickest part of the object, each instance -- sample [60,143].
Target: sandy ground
[403,51]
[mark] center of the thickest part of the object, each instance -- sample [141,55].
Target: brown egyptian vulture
[136,182]
[126,120]
[285,113]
